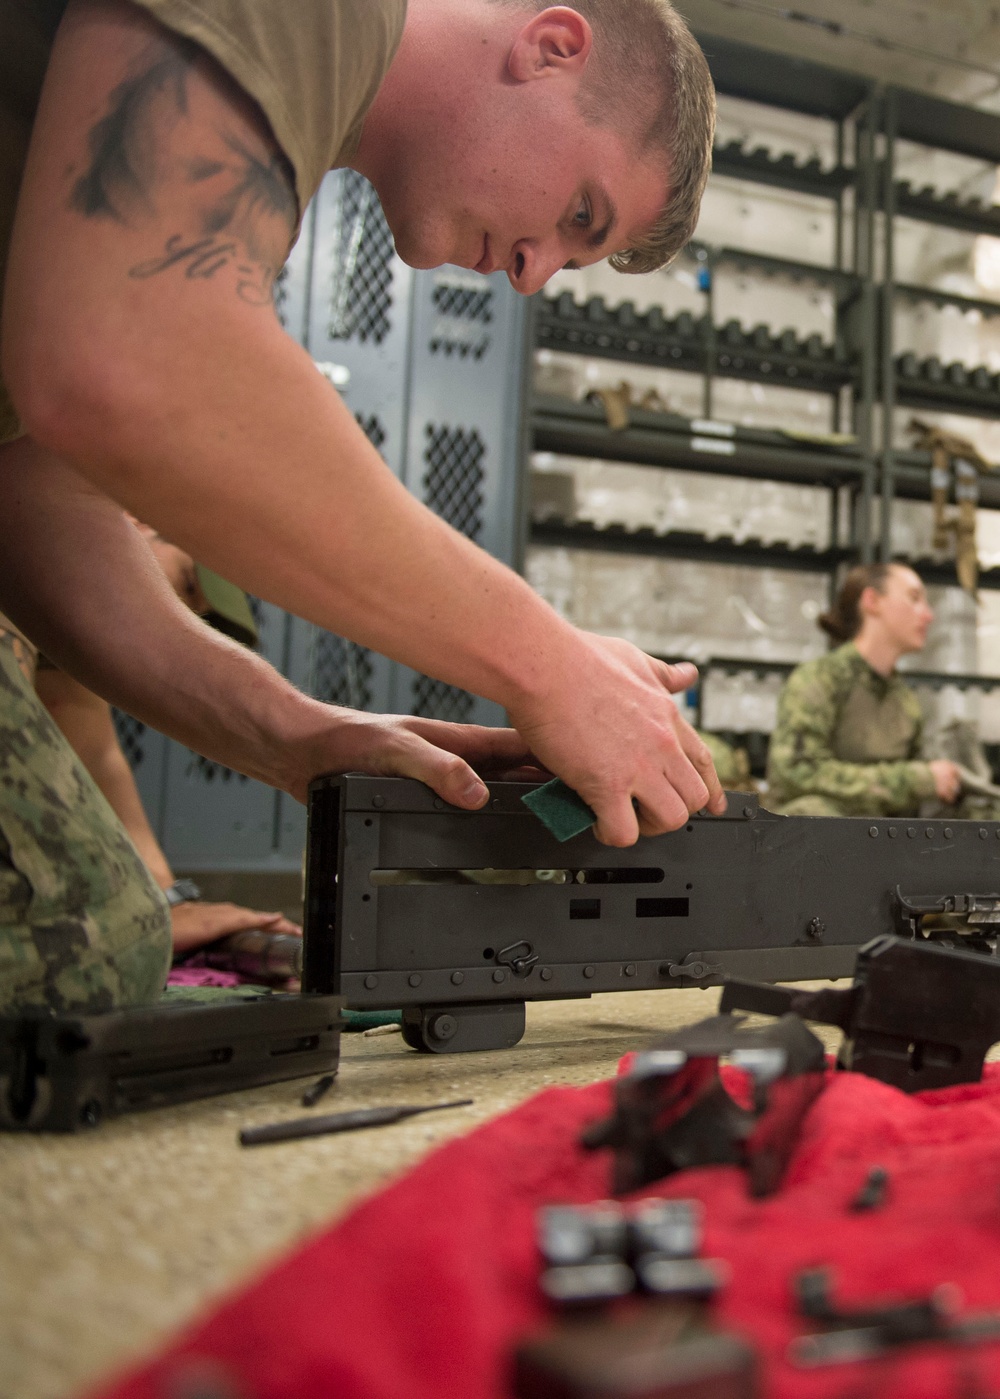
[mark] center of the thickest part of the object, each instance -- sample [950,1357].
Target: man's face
[526,192]
[904,610]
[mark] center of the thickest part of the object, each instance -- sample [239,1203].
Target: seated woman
[849,729]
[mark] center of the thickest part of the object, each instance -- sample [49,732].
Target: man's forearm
[81,581]
[265,476]
[172,387]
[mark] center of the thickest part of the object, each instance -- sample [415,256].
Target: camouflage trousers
[83,926]
[969,808]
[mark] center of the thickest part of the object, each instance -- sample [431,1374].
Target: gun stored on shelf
[461,917]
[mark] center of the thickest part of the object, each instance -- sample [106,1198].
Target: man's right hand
[947,780]
[609,728]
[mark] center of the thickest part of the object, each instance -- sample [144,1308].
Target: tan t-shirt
[313,67]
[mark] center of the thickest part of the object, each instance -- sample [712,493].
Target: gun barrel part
[757,997]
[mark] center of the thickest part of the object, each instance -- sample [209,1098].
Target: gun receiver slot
[975,918]
[621,874]
[663,908]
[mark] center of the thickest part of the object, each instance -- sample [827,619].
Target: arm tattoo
[237,198]
[122,144]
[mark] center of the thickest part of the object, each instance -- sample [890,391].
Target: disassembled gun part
[66,1072]
[866,1333]
[660,1351]
[672,1111]
[918,1015]
[596,1253]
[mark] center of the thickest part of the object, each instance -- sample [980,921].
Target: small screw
[415,978]
[90,1113]
[630,969]
[982,833]
[378,802]
[438,804]
[873,831]
[498,977]
[816,928]
[748,811]
[947,833]
[589,971]
[892,832]
[370,983]
[457,978]
[546,973]
[442,1027]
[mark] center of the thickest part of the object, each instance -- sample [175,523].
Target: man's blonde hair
[648,77]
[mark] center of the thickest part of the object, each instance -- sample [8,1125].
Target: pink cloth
[203,976]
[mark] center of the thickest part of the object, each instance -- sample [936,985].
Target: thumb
[445,773]
[676,678]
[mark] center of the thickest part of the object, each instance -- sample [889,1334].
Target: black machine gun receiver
[461,917]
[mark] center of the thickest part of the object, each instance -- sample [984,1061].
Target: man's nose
[533,263]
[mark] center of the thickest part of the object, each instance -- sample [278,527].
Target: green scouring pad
[560,809]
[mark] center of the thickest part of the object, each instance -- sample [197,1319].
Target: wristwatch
[182,891]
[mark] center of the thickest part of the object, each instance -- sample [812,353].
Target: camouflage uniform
[83,925]
[846,742]
[731,764]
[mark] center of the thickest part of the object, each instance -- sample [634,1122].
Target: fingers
[688,783]
[675,678]
[701,758]
[275,923]
[445,773]
[489,750]
[617,823]
[195,924]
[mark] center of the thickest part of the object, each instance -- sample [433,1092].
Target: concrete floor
[112,1240]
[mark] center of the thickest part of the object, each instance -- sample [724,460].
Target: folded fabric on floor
[202,976]
[423,1289]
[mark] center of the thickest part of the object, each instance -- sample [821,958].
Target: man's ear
[556,40]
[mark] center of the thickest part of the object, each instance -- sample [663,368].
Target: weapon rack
[865,372]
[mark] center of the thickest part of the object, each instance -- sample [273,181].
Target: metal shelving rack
[869,119]
[906,380]
[703,346]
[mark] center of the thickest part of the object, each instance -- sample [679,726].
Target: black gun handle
[756,996]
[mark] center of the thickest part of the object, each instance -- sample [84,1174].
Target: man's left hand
[195,924]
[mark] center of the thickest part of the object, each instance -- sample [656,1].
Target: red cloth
[423,1289]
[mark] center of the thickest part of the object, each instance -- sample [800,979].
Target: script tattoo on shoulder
[232,195]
